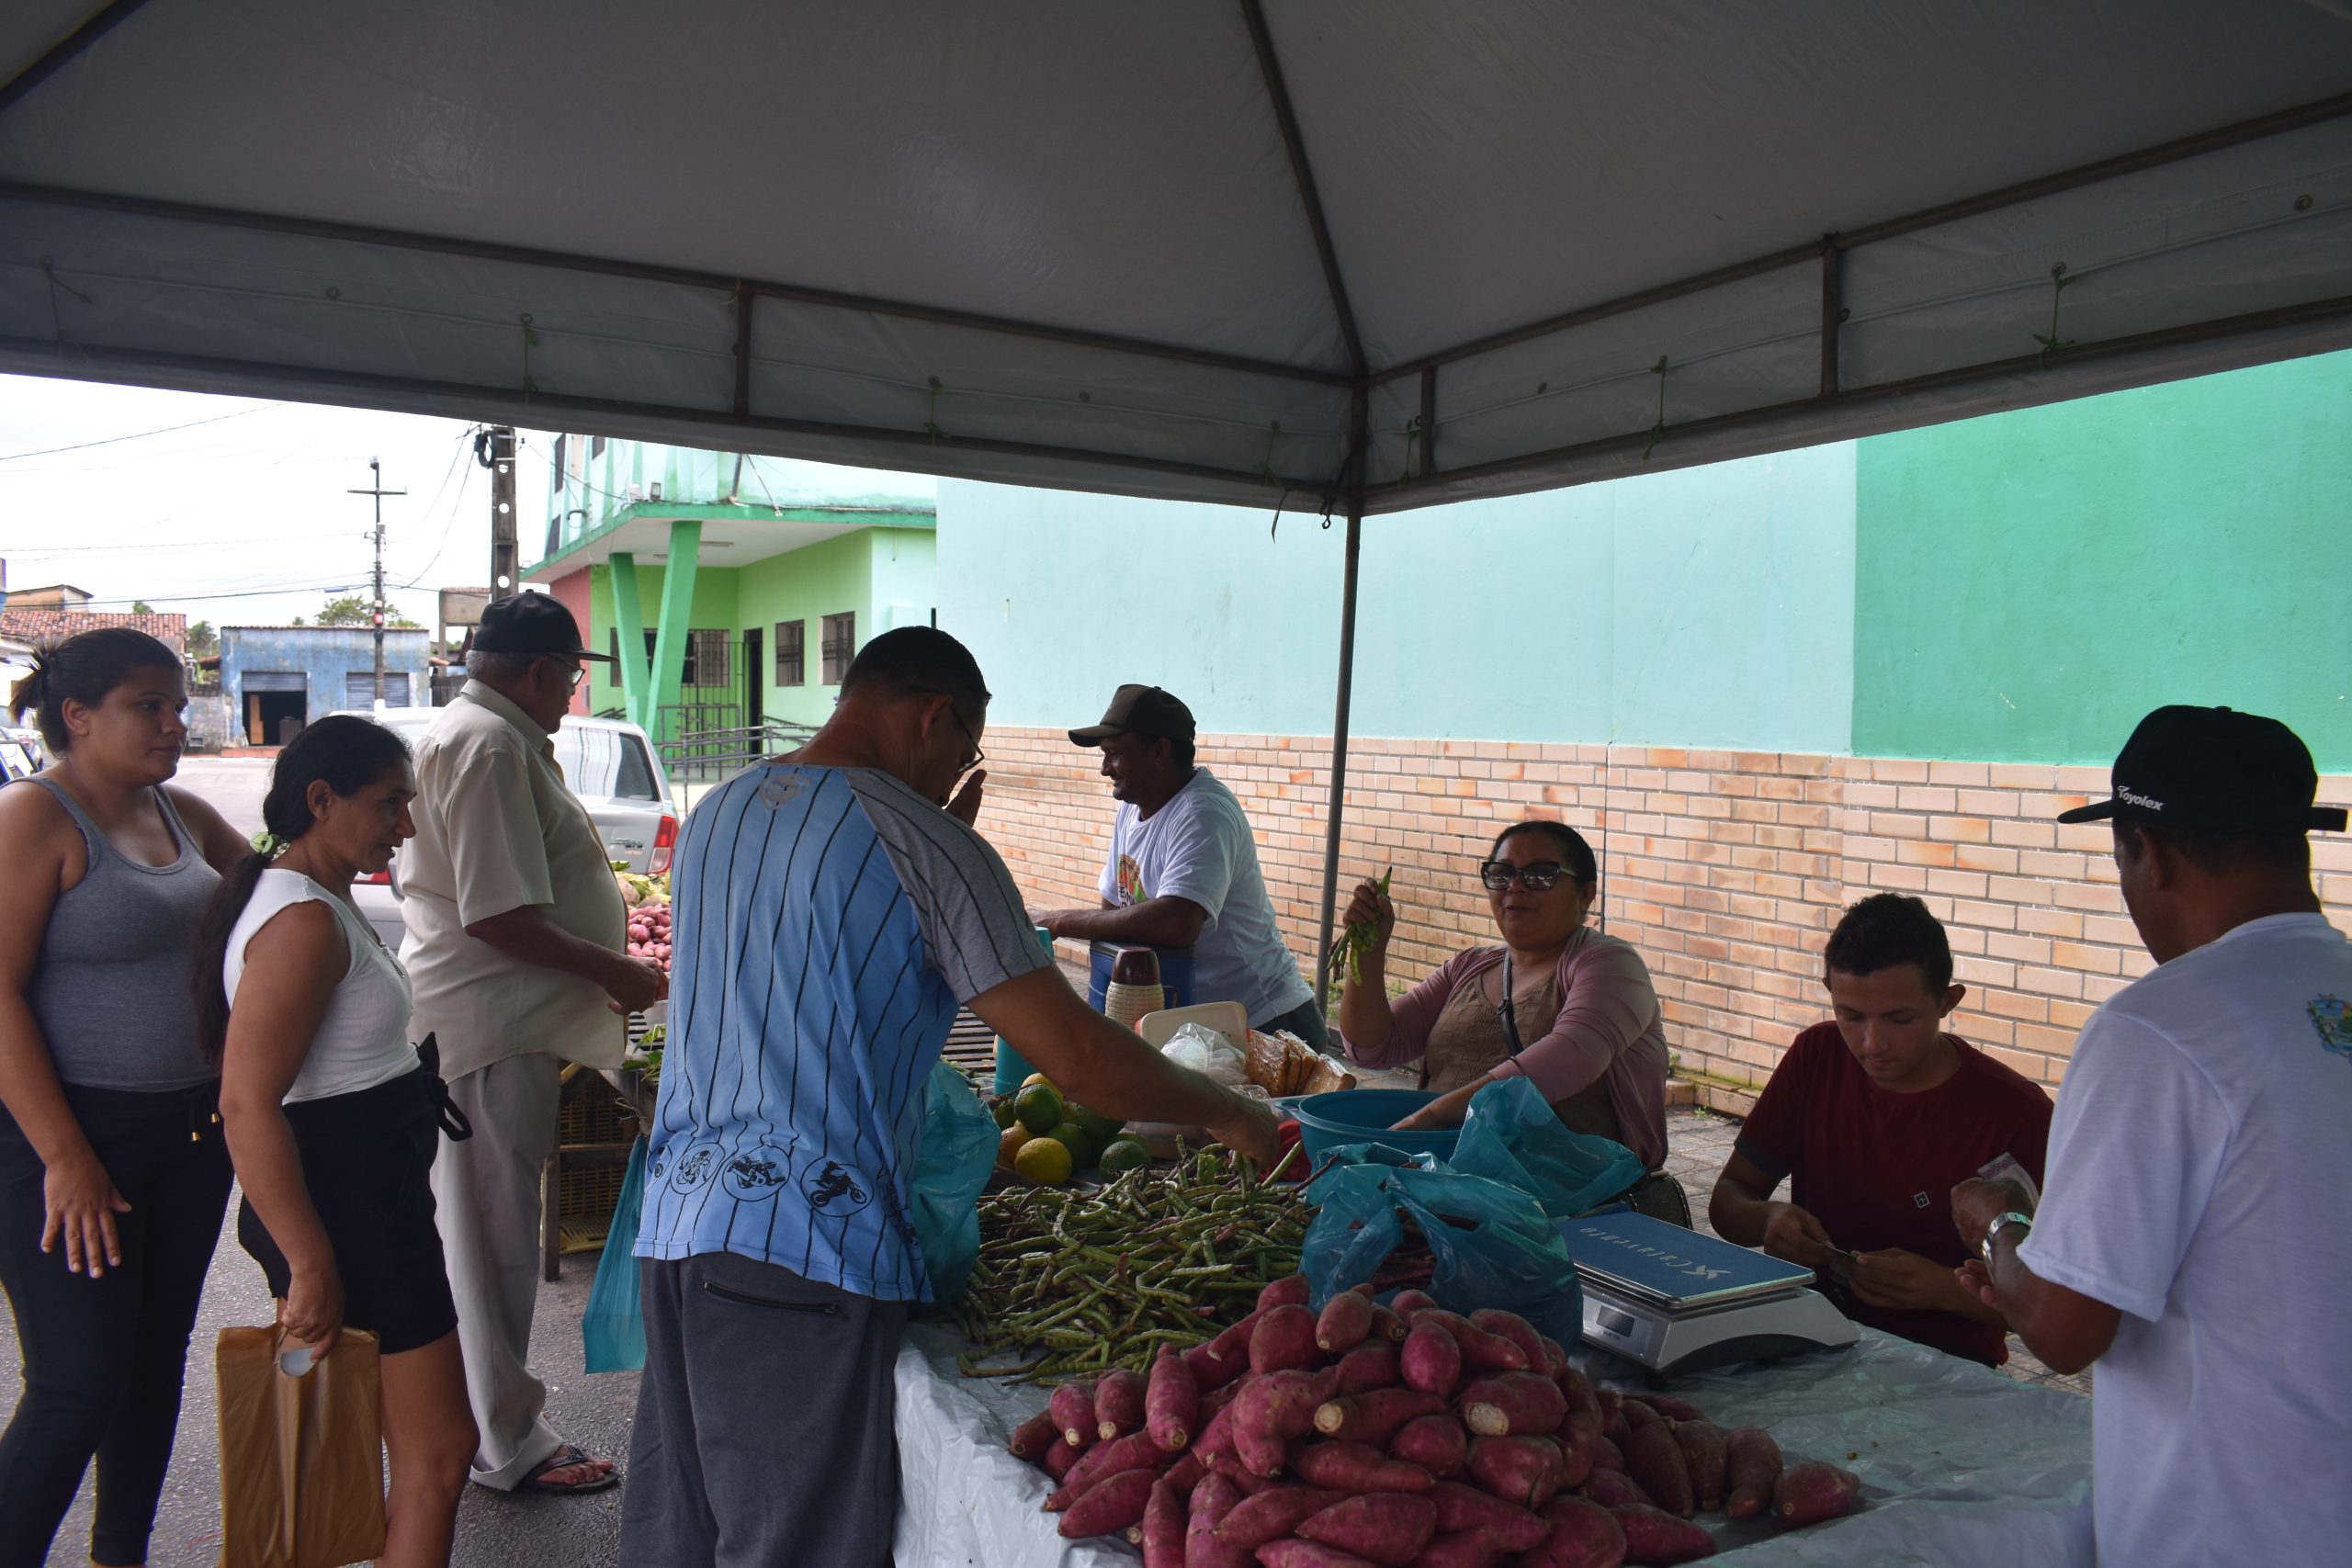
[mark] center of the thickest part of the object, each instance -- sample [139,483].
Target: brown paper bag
[301,1458]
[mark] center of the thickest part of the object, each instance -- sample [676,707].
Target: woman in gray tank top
[113,1171]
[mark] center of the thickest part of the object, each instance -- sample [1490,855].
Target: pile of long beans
[1073,1281]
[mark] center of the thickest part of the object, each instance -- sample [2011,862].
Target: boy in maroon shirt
[1875,1118]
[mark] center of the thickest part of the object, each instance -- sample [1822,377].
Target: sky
[232,510]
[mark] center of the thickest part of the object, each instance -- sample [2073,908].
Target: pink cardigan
[1608,1024]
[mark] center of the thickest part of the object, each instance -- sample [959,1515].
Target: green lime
[1102,1129]
[1038,1108]
[1074,1138]
[1122,1155]
[1043,1162]
[1002,1111]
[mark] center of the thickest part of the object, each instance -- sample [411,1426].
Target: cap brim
[1095,734]
[599,657]
[2097,811]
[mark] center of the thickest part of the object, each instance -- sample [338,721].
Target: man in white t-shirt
[1183,870]
[2194,1239]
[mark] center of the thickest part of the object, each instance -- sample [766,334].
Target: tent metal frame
[1346,489]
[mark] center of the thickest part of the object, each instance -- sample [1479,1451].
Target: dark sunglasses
[1537,877]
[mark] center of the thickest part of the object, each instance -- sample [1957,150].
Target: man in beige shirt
[516,950]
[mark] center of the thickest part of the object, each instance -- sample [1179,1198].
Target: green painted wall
[715,606]
[807,585]
[2029,584]
[1706,606]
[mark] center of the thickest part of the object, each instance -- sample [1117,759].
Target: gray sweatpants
[763,1431]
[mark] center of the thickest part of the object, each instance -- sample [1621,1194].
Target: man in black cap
[1183,870]
[2193,1241]
[518,952]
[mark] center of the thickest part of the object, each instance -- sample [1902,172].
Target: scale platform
[1673,1301]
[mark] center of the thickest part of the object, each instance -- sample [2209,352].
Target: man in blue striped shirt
[832,909]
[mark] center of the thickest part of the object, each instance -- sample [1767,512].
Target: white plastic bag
[1208,1053]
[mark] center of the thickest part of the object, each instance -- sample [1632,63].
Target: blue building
[276,679]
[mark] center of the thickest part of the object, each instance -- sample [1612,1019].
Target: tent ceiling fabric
[1064,243]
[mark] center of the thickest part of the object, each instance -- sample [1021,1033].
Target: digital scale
[1673,1300]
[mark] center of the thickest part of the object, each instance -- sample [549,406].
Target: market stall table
[1960,1467]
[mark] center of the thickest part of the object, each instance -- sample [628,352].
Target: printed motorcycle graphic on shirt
[837,1194]
[757,1175]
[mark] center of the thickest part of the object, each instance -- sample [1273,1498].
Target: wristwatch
[2001,1223]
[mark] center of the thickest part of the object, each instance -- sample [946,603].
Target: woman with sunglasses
[1568,1006]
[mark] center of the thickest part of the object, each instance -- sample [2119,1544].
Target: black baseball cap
[2216,770]
[1139,710]
[531,624]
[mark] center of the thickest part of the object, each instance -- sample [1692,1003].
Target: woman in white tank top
[333,1117]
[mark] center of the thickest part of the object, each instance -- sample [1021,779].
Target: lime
[1043,1162]
[1102,1129]
[1010,1145]
[1122,1155]
[1002,1111]
[1080,1142]
[1038,1108]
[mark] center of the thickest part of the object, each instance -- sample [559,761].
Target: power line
[141,435]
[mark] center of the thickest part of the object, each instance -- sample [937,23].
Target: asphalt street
[494,1529]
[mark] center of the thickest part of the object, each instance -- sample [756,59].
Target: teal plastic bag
[1514,1136]
[612,1331]
[1492,1244]
[959,1141]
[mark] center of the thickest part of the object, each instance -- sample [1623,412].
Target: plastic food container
[1365,1116]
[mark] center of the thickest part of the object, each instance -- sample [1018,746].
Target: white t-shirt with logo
[2200,1183]
[1198,847]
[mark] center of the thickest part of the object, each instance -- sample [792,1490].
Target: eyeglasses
[978,756]
[1536,877]
[573,673]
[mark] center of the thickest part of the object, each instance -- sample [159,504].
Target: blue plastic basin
[1365,1116]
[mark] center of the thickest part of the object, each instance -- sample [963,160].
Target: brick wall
[1726,869]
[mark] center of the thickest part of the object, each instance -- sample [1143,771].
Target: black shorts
[368,1161]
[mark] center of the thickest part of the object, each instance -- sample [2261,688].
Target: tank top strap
[94,842]
[178,824]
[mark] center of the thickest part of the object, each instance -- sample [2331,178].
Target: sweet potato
[1217,1434]
[1704,1455]
[1386,1528]
[1224,1359]
[1754,1466]
[1639,1412]
[1490,1352]
[1186,1474]
[1405,1303]
[1172,1402]
[1813,1491]
[1525,1471]
[1614,1424]
[1387,1325]
[1614,1489]
[1111,1505]
[1370,1365]
[1308,1554]
[1344,1321]
[1375,1417]
[1215,1497]
[1674,1408]
[1072,1408]
[1060,1459]
[1354,1467]
[1556,1363]
[1465,1549]
[1273,1514]
[1288,1290]
[1430,1360]
[1272,1410]
[1216,1398]
[1513,1404]
[1244,1480]
[1284,1338]
[1033,1436]
[1462,1509]
[1584,1535]
[1436,1443]
[1518,1330]
[1579,1439]
[1118,1404]
[1134,1451]
[1655,1459]
[1577,1390]
[1607,1455]
[1163,1526]
[1655,1538]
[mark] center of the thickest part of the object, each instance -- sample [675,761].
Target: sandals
[566,1457]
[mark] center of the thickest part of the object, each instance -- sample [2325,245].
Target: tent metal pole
[1270,68]
[744,300]
[1429,423]
[1359,458]
[65,52]
[1833,311]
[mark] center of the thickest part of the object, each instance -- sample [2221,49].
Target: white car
[610,766]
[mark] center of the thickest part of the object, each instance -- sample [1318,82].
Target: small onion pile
[649,932]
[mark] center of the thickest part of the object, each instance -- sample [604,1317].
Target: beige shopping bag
[302,1458]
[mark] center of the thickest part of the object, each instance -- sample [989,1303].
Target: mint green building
[733,589]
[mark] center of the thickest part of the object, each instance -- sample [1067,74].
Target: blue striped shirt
[827,922]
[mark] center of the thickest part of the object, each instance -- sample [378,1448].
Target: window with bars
[792,653]
[839,645]
[710,655]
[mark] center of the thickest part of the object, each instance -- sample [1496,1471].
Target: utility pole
[376,488]
[504,566]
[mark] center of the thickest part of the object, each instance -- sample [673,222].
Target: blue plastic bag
[1493,1244]
[612,1331]
[1513,1136]
[959,1143]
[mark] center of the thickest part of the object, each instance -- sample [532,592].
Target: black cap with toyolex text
[1139,710]
[531,624]
[2214,771]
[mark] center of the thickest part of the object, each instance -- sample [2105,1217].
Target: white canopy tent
[1359,255]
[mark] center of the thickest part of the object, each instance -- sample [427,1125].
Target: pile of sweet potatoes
[1400,1436]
